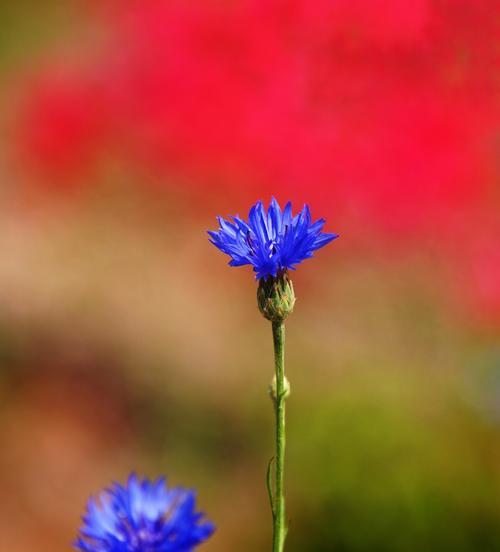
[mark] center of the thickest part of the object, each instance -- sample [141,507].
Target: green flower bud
[275,297]
[273,392]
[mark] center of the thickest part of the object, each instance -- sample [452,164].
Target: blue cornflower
[271,242]
[142,516]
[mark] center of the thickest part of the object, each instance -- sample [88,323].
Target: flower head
[142,516]
[271,241]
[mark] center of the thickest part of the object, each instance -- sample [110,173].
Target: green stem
[279,524]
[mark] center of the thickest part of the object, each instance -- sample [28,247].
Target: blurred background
[127,343]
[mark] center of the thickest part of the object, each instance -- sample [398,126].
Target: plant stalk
[279,520]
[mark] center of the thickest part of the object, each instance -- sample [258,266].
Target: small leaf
[269,485]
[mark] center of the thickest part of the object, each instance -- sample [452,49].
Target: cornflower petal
[143,516]
[272,241]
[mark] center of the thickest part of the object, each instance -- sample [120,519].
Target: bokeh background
[127,343]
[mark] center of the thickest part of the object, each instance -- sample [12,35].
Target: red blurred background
[385,114]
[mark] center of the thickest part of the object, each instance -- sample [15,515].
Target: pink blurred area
[385,114]
[128,343]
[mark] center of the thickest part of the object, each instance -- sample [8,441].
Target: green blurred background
[127,343]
